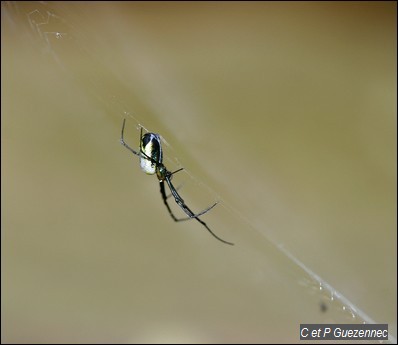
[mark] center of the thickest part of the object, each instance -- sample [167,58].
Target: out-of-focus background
[285,113]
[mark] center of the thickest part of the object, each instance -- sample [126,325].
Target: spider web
[56,30]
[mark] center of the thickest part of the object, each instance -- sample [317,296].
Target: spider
[151,160]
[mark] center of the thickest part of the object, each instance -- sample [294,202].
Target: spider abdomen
[150,148]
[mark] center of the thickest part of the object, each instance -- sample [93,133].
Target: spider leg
[164,197]
[124,143]
[208,229]
[186,209]
[177,189]
[181,203]
[178,201]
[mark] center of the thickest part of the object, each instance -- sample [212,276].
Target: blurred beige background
[284,112]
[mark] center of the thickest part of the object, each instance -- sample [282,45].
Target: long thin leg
[179,200]
[164,197]
[124,143]
[181,203]
[177,189]
[186,209]
[169,195]
[208,229]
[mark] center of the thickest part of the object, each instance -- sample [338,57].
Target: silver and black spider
[151,160]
